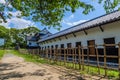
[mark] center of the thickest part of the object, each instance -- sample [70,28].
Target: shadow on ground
[7,71]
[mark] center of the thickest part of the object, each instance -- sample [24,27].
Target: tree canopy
[13,35]
[51,12]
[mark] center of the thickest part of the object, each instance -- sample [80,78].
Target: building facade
[32,40]
[101,30]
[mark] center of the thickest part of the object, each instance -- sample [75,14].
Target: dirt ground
[15,68]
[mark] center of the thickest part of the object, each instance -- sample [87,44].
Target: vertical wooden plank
[64,57]
[105,66]
[50,54]
[97,56]
[56,55]
[82,58]
[46,54]
[79,56]
[54,60]
[60,58]
[88,57]
[119,58]
[73,58]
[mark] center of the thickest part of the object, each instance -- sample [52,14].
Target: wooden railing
[80,57]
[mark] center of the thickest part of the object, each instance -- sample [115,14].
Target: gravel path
[15,68]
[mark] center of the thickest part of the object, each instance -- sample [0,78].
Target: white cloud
[15,14]
[2,1]
[17,23]
[73,23]
[72,16]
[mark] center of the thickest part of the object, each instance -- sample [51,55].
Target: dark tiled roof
[43,32]
[88,24]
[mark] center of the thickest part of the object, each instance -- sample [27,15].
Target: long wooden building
[101,30]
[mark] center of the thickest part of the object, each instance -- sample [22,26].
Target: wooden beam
[74,34]
[66,37]
[50,40]
[59,38]
[54,39]
[85,32]
[101,29]
[46,41]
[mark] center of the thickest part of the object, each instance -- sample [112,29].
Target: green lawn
[2,52]
[29,57]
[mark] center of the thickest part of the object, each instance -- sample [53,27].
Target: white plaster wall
[110,30]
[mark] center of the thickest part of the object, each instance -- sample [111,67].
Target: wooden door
[91,49]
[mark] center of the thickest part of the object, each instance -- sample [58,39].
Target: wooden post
[73,57]
[50,54]
[65,57]
[54,55]
[83,58]
[119,58]
[105,66]
[60,55]
[79,56]
[88,57]
[97,56]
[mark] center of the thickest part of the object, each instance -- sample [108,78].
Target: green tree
[4,33]
[13,36]
[51,12]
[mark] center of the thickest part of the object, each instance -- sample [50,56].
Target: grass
[92,70]
[2,52]
[29,57]
[87,69]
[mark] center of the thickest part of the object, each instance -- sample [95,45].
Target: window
[30,43]
[109,41]
[69,45]
[110,50]
[78,44]
[45,47]
[62,45]
[48,47]
[62,50]
[52,46]
[56,46]
[52,49]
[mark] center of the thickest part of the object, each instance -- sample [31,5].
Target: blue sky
[69,20]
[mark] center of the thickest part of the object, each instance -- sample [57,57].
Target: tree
[51,12]
[13,36]
[4,33]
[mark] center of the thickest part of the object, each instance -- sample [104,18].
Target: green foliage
[13,35]
[51,12]
[48,12]
[110,5]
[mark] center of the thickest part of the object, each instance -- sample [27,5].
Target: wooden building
[101,30]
